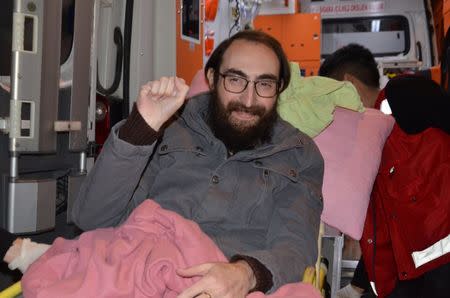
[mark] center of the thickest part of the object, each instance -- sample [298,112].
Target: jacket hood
[418,103]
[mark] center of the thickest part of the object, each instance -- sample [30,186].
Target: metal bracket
[67,126]
[91,149]
[4,125]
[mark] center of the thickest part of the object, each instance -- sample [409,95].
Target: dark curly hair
[215,61]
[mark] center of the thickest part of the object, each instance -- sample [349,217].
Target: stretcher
[314,275]
[13,291]
[309,276]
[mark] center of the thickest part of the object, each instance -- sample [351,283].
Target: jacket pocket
[264,200]
[272,175]
[166,148]
[171,154]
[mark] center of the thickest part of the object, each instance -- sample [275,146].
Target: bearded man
[250,180]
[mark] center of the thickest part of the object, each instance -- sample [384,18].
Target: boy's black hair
[353,59]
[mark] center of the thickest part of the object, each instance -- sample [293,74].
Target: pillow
[198,84]
[351,147]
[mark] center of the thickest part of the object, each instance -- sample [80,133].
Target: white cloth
[348,292]
[30,251]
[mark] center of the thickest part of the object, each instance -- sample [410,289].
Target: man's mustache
[238,107]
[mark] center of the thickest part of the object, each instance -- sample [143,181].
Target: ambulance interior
[70,70]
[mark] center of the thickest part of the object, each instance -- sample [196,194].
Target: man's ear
[280,85]
[354,80]
[210,76]
[348,77]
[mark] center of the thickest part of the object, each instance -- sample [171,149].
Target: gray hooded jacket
[264,203]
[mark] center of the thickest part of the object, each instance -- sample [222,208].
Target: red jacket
[410,203]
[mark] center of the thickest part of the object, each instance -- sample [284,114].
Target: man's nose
[249,95]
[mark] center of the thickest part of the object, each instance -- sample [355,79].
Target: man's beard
[236,136]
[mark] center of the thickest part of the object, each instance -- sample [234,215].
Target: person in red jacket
[407,225]
[419,107]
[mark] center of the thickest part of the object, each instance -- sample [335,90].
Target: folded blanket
[137,259]
[308,103]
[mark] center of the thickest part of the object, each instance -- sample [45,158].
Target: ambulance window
[6,33]
[384,36]
[68,15]
[5,37]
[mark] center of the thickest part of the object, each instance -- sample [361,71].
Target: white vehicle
[398,32]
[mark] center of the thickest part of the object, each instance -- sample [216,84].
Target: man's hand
[223,280]
[159,100]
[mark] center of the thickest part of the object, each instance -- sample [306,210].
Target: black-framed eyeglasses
[237,84]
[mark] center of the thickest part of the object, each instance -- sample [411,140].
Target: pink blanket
[137,259]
